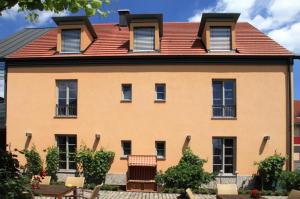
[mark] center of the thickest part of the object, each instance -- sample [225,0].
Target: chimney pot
[122,17]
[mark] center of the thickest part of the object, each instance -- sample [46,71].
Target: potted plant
[35,183]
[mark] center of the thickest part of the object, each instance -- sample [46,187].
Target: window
[224,155]
[126,146]
[127,92]
[220,38]
[70,40]
[67,145]
[67,98]
[160,149]
[224,98]
[144,39]
[160,90]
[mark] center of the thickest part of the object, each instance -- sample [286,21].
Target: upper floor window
[160,90]
[67,145]
[224,155]
[220,38]
[144,39]
[126,147]
[66,98]
[70,40]
[126,92]
[160,149]
[224,98]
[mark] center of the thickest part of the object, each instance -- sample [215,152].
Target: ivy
[52,162]
[34,162]
[94,165]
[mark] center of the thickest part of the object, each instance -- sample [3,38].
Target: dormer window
[70,41]
[220,38]
[144,39]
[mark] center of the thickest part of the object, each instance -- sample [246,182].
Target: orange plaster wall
[261,110]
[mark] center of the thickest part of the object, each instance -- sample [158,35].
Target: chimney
[122,17]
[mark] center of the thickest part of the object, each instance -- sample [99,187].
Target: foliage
[94,165]
[205,191]
[290,180]
[34,162]
[52,162]
[189,173]
[270,170]
[31,7]
[12,183]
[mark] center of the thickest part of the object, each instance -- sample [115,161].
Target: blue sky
[277,18]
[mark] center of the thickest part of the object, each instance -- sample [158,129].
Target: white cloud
[44,16]
[277,18]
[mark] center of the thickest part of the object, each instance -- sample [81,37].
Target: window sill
[124,157]
[224,118]
[161,158]
[72,171]
[159,101]
[144,51]
[126,101]
[65,116]
[226,175]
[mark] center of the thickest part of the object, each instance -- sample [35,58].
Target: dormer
[217,31]
[74,34]
[145,31]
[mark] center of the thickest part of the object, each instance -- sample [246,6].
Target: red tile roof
[178,39]
[142,160]
[297,111]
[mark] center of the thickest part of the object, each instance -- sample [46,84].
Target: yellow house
[147,87]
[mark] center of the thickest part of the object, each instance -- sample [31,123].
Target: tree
[91,7]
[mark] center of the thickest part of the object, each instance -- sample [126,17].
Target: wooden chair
[93,195]
[77,182]
[227,189]
[190,194]
[294,194]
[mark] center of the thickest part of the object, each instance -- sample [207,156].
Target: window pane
[62,156]
[229,142]
[72,139]
[217,146]
[61,139]
[160,149]
[144,39]
[229,160]
[62,165]
[62,93]
[72,165]
[217,93]
[217,168]
[71,41]
[228,151]
[126,89]
[72,93]
[228,169]
[160,91]
[160,96]
[220,38]
[217,160]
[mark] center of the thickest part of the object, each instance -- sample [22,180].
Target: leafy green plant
[34,162]
[189,173]
[270,170]
[52,162]
[94,165]
[290,180]
[12,183]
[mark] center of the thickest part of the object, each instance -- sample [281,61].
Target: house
[8,46]
[297,134]
[147,89]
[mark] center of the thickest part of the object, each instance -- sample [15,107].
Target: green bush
[94,165]
[270,170]
[12,183]
[52,162]
[290,180]
[34,162]
[189,173]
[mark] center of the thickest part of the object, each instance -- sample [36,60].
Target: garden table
[57,191]
[236,197]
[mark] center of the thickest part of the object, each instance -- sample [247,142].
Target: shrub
[12,183]
[52,162]
[189,173]
[94,165]
[34,162]
[290,180]
[270,169]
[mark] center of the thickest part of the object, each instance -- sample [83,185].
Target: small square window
[126,147]
[160,149]
[126,92]
[160,90]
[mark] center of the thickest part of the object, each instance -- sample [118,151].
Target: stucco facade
[261,101]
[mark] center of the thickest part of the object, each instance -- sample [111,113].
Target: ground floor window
[67,145]
[224,155]
[126,147]
[160,149]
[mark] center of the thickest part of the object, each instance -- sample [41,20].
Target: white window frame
[142,27]
[223,155]
[67,150]
[62,41]
[122,90]
[67,97]
[156,92]
[230,37]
